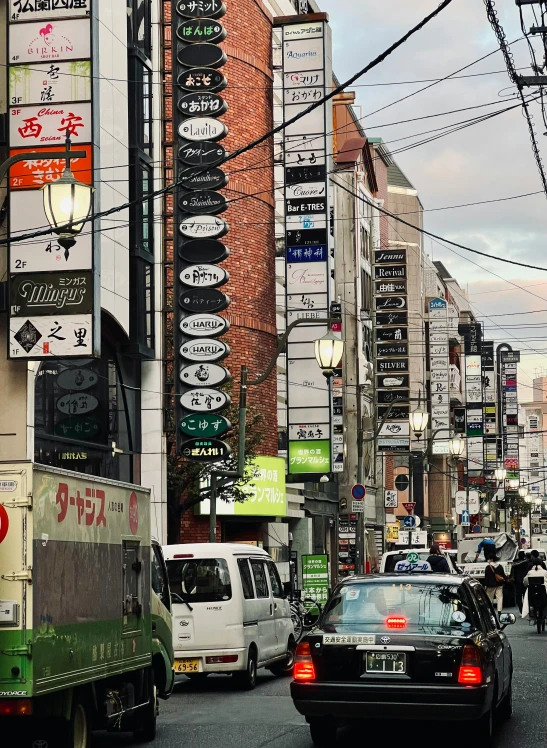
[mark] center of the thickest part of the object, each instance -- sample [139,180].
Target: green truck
[85,609]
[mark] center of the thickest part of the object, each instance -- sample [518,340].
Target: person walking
[536,594]
[437,561]
[487,546]
[520,569]
[535,560]
[494,579]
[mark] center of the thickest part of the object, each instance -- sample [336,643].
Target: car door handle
[271,609]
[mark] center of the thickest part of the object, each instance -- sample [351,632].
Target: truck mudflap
[164,674]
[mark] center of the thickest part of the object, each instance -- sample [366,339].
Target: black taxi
[405,646]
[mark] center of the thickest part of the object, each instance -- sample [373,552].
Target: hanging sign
[36,172]
[308,206]
[390,256]
[205,400]
[390,302]
[202,128]
[202,79]
[64,293]
[203,203]
[49,40]
[203,227]
[201,8]
[208,325]
[201,30]
[41,125]
[203,250]
[202,55]
[393,381]
[204,276]
[32,10]
[77,379]
[49,83]
[206,424]
[49,337]
[202,104]
[204,350]
[205,450]
[392,318]
[80,428]
[201,154]
[203,300]
[204,179]
[77,403]
[204,374]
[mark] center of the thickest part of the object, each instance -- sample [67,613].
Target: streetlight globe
[523,491]
[67,204]
[537,501]
[418,420]
[514,483]
[528,499]
[500,473]
[456,446]
[328,352]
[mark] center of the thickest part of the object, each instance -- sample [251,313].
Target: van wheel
[77,733]
[323,732]
[246,679]
[285,667]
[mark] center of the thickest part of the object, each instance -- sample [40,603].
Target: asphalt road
[216,715]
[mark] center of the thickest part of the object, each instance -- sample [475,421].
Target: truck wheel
[145,731]
[77,733]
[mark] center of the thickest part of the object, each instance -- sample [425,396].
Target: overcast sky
[486,161]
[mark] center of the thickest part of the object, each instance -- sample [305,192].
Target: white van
[230,612]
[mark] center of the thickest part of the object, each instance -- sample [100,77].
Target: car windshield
[368,606]
[203,580]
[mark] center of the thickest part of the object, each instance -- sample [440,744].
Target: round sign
[401,482]
[205,350]
[204,325]
[202,128]
[205,450]
[204,202]
[205,400]
[201,154]
[202,79]
[412,557]
[4,523]
[204,179]
[204,276]
[203,300]
[134,513]
[476,528]
[77,379]
[204,374]
[206,424]
[202,55]
[203,227]
[409,522]
[197,30]
[201,8]
[203,250]
[77,404]
[203,104]
[358,492]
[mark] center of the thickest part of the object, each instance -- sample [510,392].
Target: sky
[487,161]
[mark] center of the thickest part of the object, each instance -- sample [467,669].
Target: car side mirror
[287,589]
[507,619]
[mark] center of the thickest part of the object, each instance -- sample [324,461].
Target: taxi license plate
[386,662]
[186,666]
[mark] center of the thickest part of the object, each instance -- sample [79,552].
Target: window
[365,291]
[246,579]
[261,583]
[204,580]
[275,581]
[140,101]
[365,244]
[139,26]
[486,610]
[160,584]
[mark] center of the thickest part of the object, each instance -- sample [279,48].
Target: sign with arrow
[409,522]
[465,518]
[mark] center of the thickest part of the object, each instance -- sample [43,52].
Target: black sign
[306,237]
[202,104]
[202,55]
[202,79]
[390,286]
[390,302]
[472,335]
[36,294]
[297,174]
[205,450]
[392,349]
[201,30]
[397,413]
[488,355]
[205,179]
[459,420]
[203,300]
[401,482]
[205,202]
[201,8]
[308,206]
[393,396]
[392,365]
[391,333]
[203,250]
[205,153]
[510,357]
[390,273]
[390,256]
[385,381]
[392,318]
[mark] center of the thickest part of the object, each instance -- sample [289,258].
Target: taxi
[419,646]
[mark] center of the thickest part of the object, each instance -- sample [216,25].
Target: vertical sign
[489,406]
[52,290]
[439,374]
[307,76]
[509,410]
[392,348]
[315,577]
[474,398]
[199,276]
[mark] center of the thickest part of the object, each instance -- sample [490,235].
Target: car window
[275,581]
[160,584]
[486,609]
[203,580]
[246,579]
[259,574]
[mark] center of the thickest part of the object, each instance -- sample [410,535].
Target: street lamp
[514,483]
[523,492]
[419,418]
[456,446]
[528,499]
[328,352]
[500,474]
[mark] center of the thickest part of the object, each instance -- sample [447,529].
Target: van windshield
[199,580]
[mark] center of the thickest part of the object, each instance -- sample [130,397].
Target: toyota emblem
[385,639]
[40,744]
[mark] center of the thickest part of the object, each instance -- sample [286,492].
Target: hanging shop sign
[202,104]
[33,10]
[397,412]
[390,287]
[208,325]
[392,380]
[51,293]
[77,403]
[311,190]
[393,396]
[306,236]
[390,302]
[201,8]
[389,273]
[201,154]
[77,379]
[49,41]
[297,174]
[203,202]
[205,450]
[203,400]
[310,456]
[204,179]
[390,257]
[206,424]
[49,83]
[392,349]
[307,254]
[203,55]
[204,350]
[392,318]
[202,79]
[203,227]
[80,428]
[391,333]
[197,30]
[35,172]
[203,300]
[204,374]
[203,250]
[50,337]
[395,365]
[202,128]
[204,276]
[308,206]
[41,125]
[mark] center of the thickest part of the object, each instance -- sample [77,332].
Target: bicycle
[304,614]
[537,600]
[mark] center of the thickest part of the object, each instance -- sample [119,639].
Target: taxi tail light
[396,622]
[15,707]
[470,669]
[303,663]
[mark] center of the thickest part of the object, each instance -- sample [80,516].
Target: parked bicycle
[305,613]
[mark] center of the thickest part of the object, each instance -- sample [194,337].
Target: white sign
[77,403]
[312,122]
[43,337]
[48,125]
[313,389]
[357,507]
[408,566]
[419,538]
[440,448]
[462,505]
[203,227]
[204,349]
[32,10]
[204,374]
[51,40]
[206,325]
[202,128]
[390,499]
[313,189]
[304,31]
[308,431]
[47,84]
[204,276]
[204,400]
[304,221]
[307,277]
[302,55]
[395,429]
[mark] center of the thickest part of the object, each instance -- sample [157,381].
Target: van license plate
[386,662]
[186,666]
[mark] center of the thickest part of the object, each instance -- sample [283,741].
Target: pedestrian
[437,561]
[488,546]
[536,594]
[494,579]
[535,560]
[520,569]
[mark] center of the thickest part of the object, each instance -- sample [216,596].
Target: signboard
[36,172]
[417,566]
[49,41]
[33,10]
[358,507]
[51,336]
[392,533]
[409,505]
[39,125]
[465,518]
[205,424]
[390,499]
[462,500]
[205,450]
[51,293]
[419,538]
[310,456]
[358,492]
[409,522]
[50,83]
[315,577]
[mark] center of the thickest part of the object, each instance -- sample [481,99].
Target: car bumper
[217,667]
[361,701]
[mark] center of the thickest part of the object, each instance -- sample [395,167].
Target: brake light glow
[303,663]
[15,707]
[221,659]
[470,669]
[396,622]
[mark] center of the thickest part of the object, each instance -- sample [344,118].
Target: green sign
[204,424]
[310,456]
[315,576]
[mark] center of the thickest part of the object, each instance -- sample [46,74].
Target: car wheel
[323,732]
[485,729]
[285,667]
[506,707]
[246,679]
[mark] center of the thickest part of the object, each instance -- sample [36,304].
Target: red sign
[444,545]
[4,523]
[409,506]
[134,513]
[34,173]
